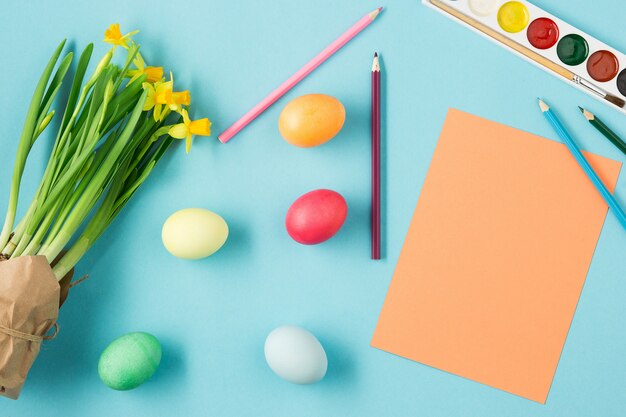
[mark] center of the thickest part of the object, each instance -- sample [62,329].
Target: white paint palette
[546,41]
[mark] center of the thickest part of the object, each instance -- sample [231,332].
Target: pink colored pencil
[376,235]
[298,76]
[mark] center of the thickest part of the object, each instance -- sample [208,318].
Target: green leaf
[56,83]
[25,144]
[79,75]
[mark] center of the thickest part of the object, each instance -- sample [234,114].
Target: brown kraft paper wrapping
[29,307]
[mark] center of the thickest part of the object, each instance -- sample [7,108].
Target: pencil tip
[588,115]
[375,63]
[380,9]
[374,13]
[542,105]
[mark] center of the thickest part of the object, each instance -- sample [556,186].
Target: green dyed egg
[129,361]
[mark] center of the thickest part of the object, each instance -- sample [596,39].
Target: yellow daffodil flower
[161,94]
[153,74]
[113,35]
[176,99]
[158,94]
[186,130]
[179,98]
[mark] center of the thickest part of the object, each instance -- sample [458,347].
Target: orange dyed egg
[311,120]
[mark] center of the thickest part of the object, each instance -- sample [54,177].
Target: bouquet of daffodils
[114,127]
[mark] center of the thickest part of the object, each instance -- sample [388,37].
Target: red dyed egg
[316,216]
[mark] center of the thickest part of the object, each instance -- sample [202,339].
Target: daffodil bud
[109,91]
[106,59]
[44,123]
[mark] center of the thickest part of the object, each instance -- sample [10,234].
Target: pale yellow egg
[194,233]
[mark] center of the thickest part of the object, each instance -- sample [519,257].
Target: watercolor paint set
[546,41]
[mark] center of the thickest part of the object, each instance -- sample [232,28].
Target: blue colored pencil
[584,164]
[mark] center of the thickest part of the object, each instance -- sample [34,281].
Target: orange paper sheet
[496,256]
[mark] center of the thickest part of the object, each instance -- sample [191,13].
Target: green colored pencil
[604,129]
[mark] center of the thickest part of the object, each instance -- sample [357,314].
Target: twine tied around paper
[79,280]
[29,337]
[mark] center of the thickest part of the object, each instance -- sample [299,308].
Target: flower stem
[25,144]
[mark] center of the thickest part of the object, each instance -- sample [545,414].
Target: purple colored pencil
[375,220]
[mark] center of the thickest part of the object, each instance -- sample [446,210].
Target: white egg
[194,233]
[295,355]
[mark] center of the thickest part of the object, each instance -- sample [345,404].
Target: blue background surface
[212,316]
